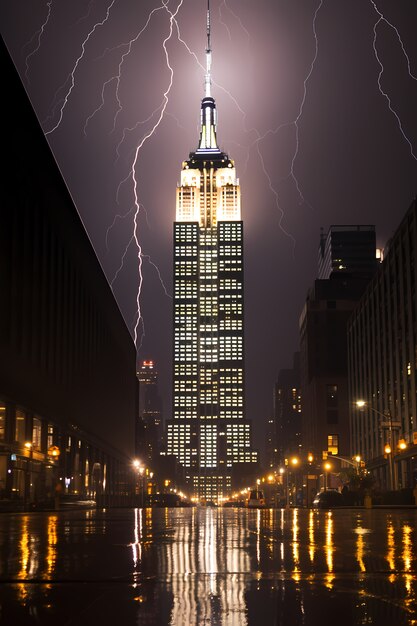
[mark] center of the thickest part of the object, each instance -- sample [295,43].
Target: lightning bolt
[129,129]
[380,19]
[117,77]
[221,20]
[148,258]
[276,196]
[84,17]
[237,18]
[300,112]
[135,161]
[38,33]
[395,29]
[119,269]
[74,69]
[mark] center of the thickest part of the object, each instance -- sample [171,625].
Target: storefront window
[50,436]
[20,427]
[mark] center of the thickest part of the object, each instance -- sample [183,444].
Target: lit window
[333,444]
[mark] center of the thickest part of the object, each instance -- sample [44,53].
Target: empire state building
[209,434]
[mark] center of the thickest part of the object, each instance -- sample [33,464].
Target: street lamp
[390,425]
[294,462]
[142,487]
[29,447]
[140,469]
[327,467]
[355,464]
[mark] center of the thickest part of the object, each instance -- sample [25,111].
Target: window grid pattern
[208,432]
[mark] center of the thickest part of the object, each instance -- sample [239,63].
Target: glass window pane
[36,433]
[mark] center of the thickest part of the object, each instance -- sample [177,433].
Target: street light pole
[389,446]
[141,472]
[327,468]
[29,447]
[288,488]
[356,464]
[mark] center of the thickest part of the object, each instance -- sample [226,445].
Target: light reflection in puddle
[214,565]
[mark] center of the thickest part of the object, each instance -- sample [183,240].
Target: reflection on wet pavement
[233,567]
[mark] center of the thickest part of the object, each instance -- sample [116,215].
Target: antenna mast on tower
[208,56]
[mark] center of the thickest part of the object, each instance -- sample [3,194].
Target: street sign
[390,424]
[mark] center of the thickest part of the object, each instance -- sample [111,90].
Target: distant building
[346,256]
[271,450]
[287,412]
[149,428]
[382,341]
[68,390]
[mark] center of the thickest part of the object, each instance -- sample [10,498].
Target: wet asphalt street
[217,566]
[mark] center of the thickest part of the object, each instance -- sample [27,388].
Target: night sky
[272,77]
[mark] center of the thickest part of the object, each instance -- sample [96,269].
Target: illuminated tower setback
[209,434]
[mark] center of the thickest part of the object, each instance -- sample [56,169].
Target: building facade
[208,432]
[287,412]
[149,438]
[347,251]
[68,390]
[382,341]
[347,258]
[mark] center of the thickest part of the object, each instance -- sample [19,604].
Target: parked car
[328,499]
[256,499]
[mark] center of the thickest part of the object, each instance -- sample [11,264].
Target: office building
[382,342]
[347,259]
[209,433]
[287,412]
[68,388]
[149,427]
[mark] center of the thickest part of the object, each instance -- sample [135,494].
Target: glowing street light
[29,448]
[294,462]
[140,469]
[327,467]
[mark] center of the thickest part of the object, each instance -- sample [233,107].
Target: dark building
[287,412]
[68,388]
[323,338]
[271,449]
[347,251]
[382,336]
[149,430]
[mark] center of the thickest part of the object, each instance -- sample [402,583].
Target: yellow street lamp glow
[294,461]
[387,449]
[357,458]
[360,403]
[270,478]
[327,466]
[310,458]
[402,444]
[28,445]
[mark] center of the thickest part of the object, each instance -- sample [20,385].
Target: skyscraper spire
[208,55]
[208,139]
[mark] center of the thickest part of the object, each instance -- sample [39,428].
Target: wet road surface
[214,566]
